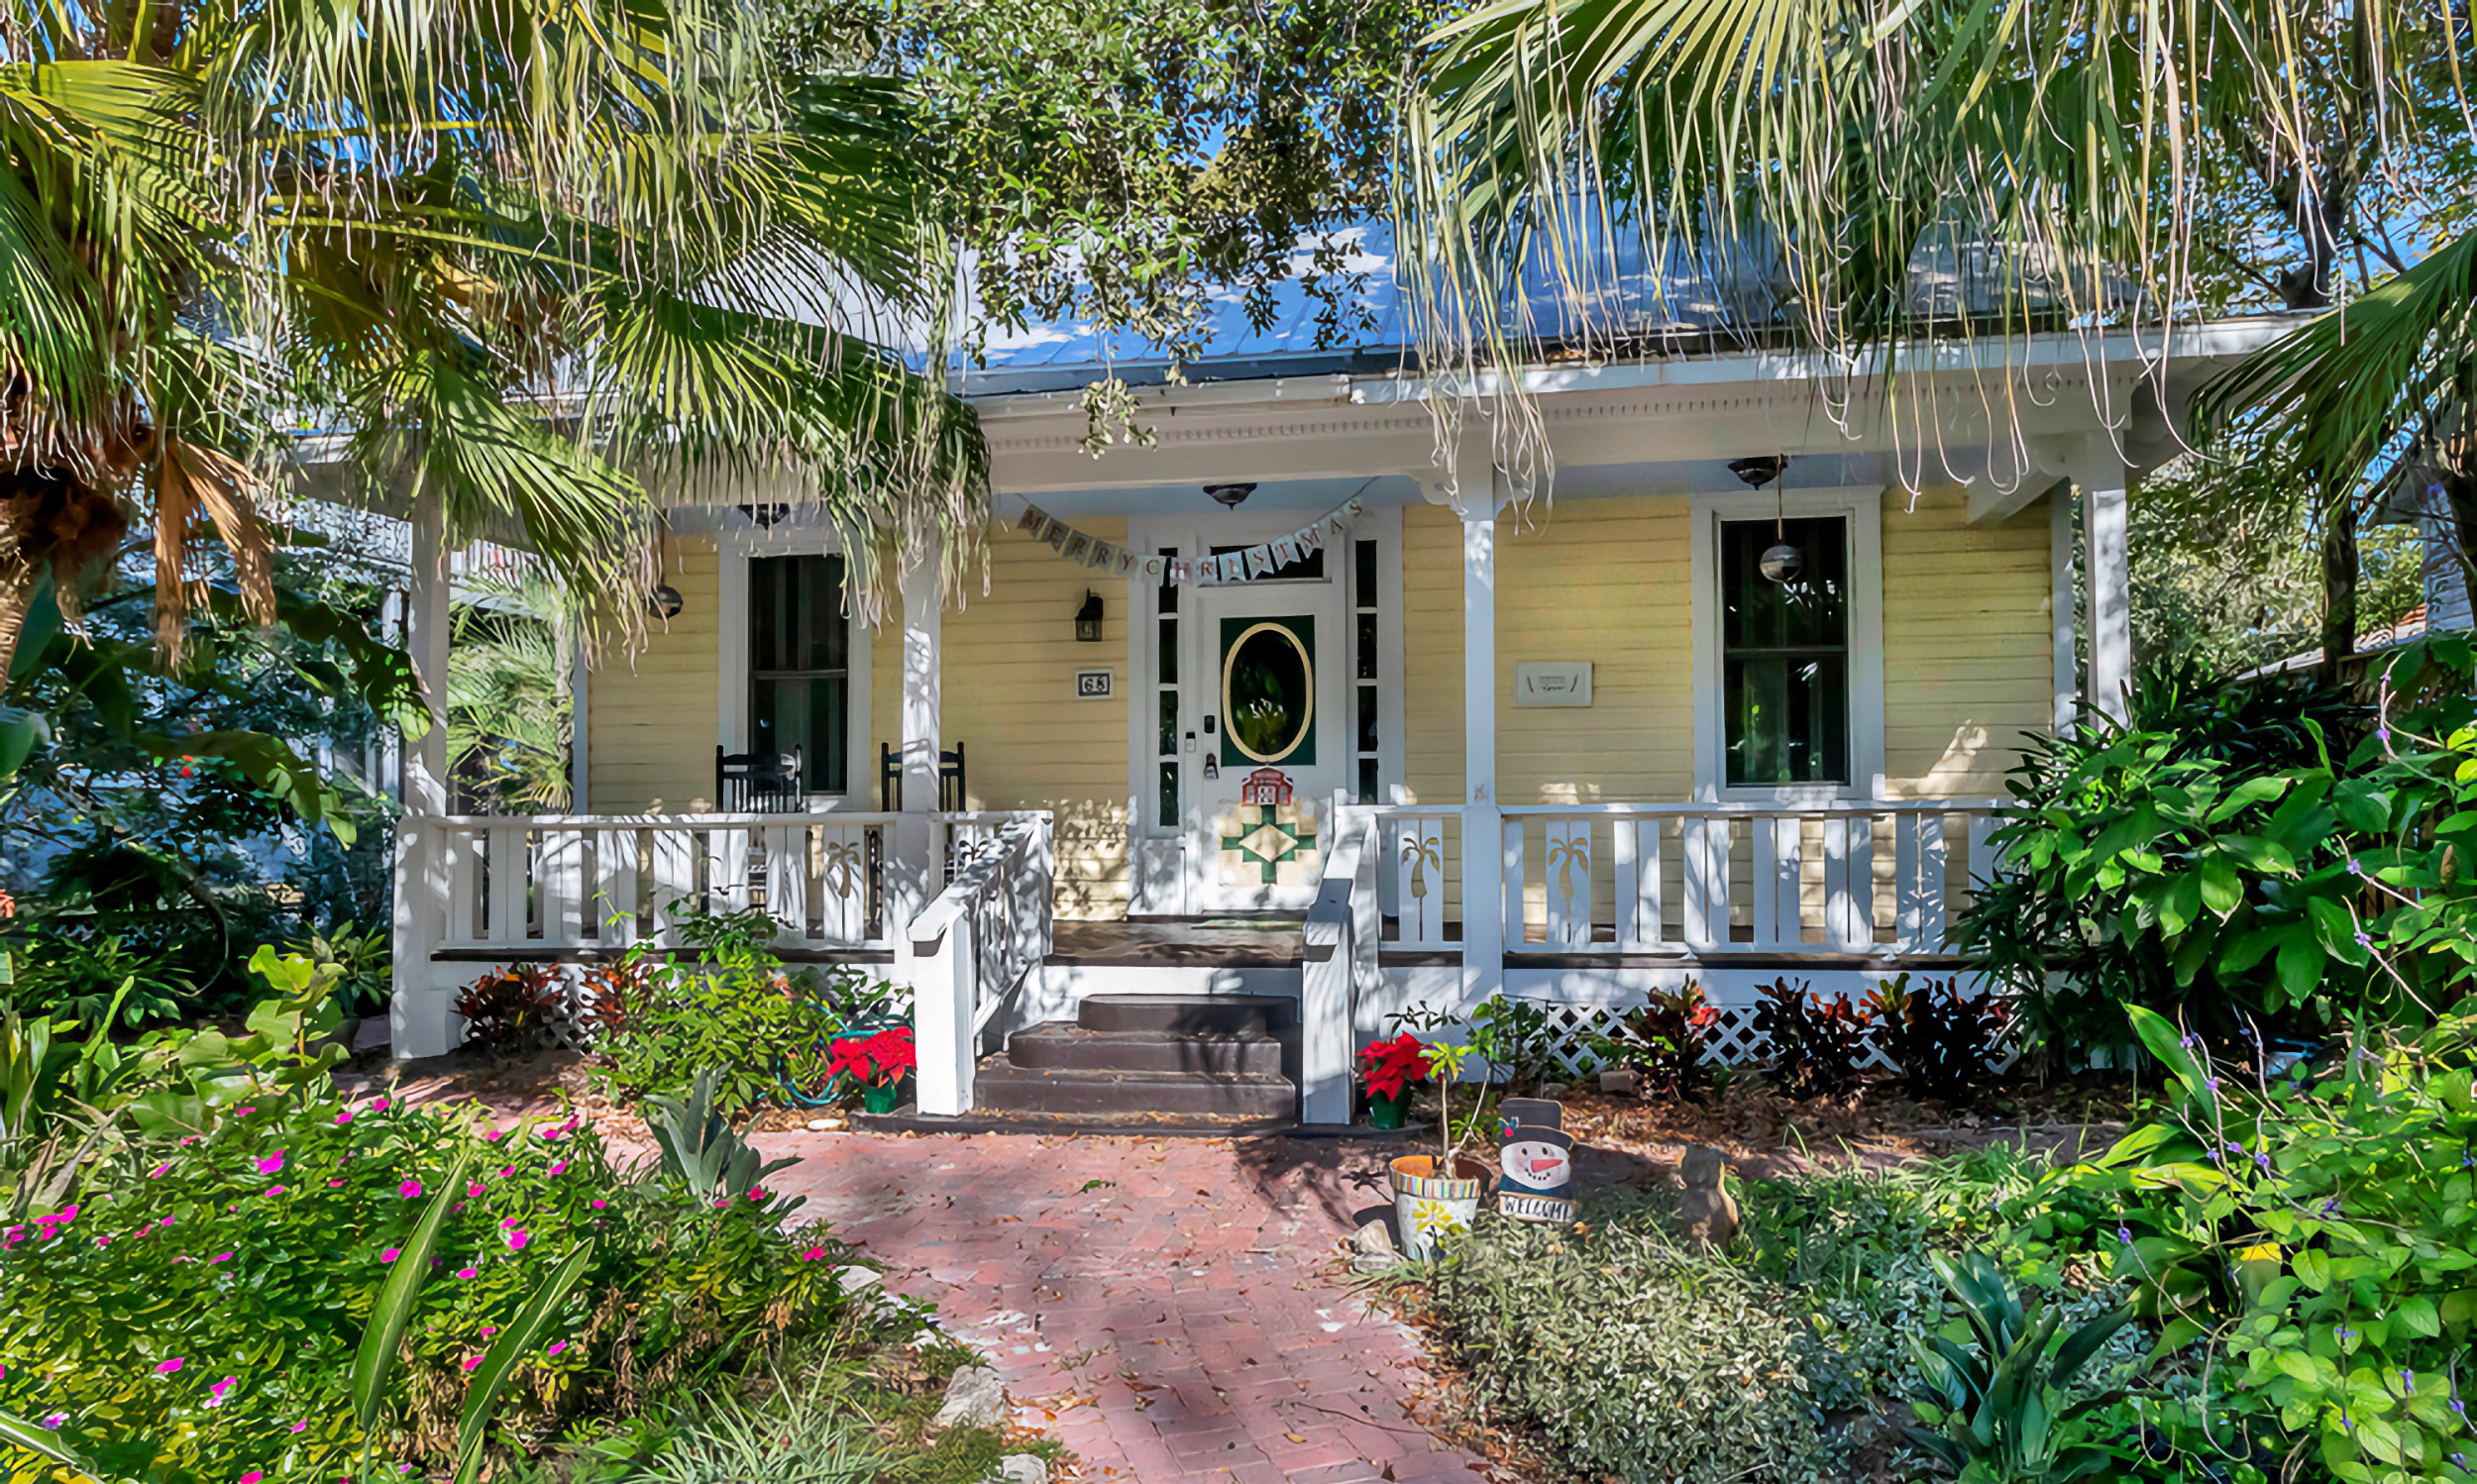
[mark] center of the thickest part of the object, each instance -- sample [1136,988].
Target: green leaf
[2418,1313]
[2221,891]
[398,1299]
[2312,1269]
[499,1366]
[38,1440]
[2159,1035]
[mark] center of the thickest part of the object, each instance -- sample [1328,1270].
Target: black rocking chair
[890,779]
[748,783]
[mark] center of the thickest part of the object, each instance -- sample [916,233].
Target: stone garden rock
[975,1397]
[1021,1469]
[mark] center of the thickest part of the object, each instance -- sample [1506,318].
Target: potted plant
[878,1063]
[1390,1070]
[1435,1195]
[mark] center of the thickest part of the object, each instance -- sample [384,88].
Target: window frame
[804,533]
[1859,506]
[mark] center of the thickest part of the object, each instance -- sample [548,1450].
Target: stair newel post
[1324,972]
[942,979]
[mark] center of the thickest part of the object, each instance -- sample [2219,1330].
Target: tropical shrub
[1634,1358]
[197,1319]
[2215,862]
[1510,1034]
[1664,1042]
[701,1152]
[1947,1045]
[57,971]
[1812,1047]
[2312,1234]
[510,1011]
[2009,1406]
[729,1004]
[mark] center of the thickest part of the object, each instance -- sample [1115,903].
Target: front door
[1274,745]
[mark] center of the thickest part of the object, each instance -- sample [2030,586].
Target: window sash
[1785,685]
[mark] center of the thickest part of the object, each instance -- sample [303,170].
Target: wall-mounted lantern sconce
[1088,618]
[665,602]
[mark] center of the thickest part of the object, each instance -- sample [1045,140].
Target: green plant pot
[881,1100]
[1387,1112]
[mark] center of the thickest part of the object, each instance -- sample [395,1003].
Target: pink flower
[252,1477]
[510,1222]
[757,1195]
[561,1168]
[516,1240]
[344,1116]
[720,1201]
[272,1163]
[391,1254]
[812,1254]
[492,1137]
[409,1189]
[220,1388]
[380,1106]
[505,1171]
[55,1420]
[219,1257]
[598,1205]
[103,1241]
[168,1220]
[168,1366]
[242,1113]
[471,1361]
[278,1190]
[300,1427]
[160,1171]
[333,1184]
[488,1330]
[473,1189]
[468,1272]
[558,1346]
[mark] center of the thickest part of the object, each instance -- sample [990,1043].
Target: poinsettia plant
[1390,1069]
[879,1060]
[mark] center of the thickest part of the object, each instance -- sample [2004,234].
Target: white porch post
[419,1018]
[940,1024]
[2063,602]
[1483,863]
[2104,484]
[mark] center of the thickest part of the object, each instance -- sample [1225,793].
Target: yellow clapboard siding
[1008,695]
[1966,643]
[650,727]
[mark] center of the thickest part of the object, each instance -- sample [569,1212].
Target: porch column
[922,619]
[419,1018]
[912,874]
[2104,484]
[1483,834]
[2063,604]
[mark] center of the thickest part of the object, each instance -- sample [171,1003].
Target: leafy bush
[1664,1042]
[1511,1034]
[2009,1406]
[1946,1045]
[1813,1046]
[700,1151]
[727,1005]
[196,1320]
[1635,1359]
[2314,1234]
[58,971]
[510,1011]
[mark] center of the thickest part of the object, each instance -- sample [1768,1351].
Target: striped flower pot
[1428,1207]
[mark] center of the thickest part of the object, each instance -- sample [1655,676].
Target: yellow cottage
[1275,727]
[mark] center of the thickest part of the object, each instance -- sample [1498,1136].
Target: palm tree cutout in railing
[842,866]
[1422,854]
[1565,857]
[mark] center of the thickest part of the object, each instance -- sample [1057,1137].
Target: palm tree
[524,257]
[2074,163]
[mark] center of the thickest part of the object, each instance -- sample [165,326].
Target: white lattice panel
[1733,1040]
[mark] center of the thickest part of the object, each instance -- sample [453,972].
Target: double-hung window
[799,664]
[1785,654]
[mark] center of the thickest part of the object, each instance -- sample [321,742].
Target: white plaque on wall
[1092,685]
[1552,683]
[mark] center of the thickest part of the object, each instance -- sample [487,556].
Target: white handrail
[970,949]
[1338,961]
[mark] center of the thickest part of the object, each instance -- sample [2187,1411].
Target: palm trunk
[19,580]
[2339,577]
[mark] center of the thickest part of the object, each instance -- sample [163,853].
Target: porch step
[1134,1097]
[1134,1060]
[1065,1046]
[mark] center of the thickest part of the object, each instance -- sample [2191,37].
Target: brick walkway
[1162,1306]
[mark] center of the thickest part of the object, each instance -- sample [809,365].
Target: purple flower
[2263,1159]
[2355,867]
[2331,1207]
[55,1420]
[2363,941]
[2125,1235]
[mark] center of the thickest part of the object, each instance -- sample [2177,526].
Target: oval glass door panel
[1268,690]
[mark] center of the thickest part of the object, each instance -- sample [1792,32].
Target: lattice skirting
[1734,1040]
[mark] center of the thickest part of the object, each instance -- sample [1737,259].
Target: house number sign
[1092,685]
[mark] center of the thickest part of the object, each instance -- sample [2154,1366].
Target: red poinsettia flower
[1390,1068]
[879,1060]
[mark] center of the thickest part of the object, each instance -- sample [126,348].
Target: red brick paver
[1162,1306]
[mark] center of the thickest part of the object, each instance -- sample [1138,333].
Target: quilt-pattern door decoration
[1270,838]
[1538,1160]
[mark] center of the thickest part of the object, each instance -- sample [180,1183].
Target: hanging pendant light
[664,601]
[1781,562]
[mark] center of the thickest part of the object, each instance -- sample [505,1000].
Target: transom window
[1784,654]
[799,664]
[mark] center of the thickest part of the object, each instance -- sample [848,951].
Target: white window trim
[801,534]
[1861,505]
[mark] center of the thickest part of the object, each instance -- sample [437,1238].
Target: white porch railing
[971,948]
[565,881]
[1870,876]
